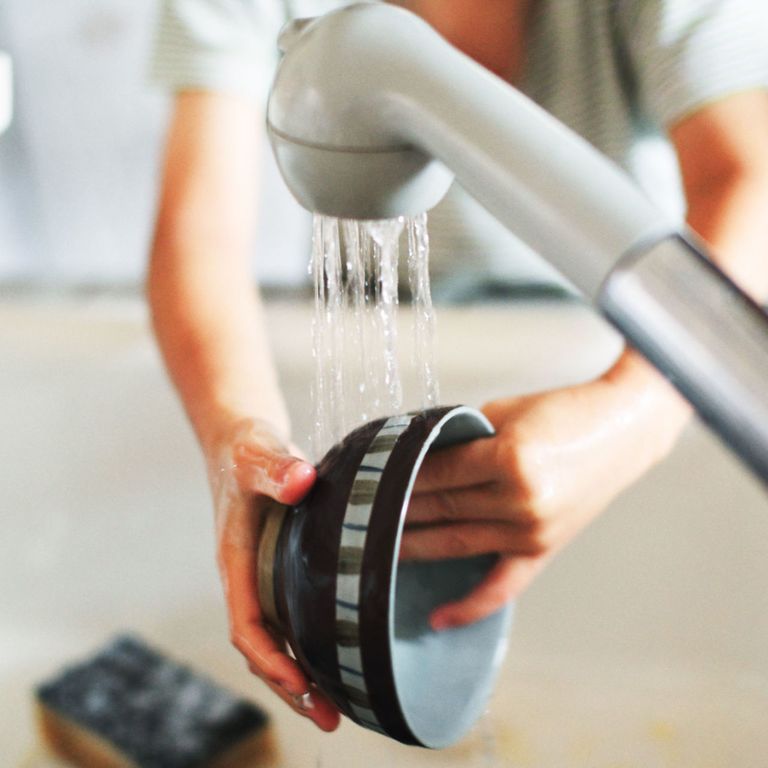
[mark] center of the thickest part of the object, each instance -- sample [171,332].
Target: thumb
[272,472]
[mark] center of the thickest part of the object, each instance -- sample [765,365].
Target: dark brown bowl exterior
[376,578]
[334,567]
[307,559]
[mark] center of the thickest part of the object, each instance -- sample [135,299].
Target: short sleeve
[685,54]
[218,45]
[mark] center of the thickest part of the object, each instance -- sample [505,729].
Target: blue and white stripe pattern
[353,534]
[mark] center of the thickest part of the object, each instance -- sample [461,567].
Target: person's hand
[247,467]
[557,460]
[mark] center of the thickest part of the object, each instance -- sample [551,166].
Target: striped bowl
[357,617]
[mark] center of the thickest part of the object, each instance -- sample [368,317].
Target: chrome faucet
[371,115]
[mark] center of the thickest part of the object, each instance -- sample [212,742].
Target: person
[694,73]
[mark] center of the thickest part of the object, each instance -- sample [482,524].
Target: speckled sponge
[129,706]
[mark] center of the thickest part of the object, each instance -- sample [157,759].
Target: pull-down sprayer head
[372,110]
[332,121]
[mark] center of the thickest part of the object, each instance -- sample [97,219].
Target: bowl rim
[374,659]
[485,429]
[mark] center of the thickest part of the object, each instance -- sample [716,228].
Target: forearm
[732,217]
[211,332]
[205,308]
[723,154]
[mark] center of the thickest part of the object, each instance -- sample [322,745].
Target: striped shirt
[618,72]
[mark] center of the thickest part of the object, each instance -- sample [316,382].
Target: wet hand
[557,460]
[247,467]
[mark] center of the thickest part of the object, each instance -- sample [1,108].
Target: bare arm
[723,154]
[209,324]
[205,307]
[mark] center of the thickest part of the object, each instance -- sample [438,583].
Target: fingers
[253,465]
[247,632]
[312,704]
[266,656]
[507,579]
[272,472]
[267,659]
[464,504]
[463,465]
[452,540]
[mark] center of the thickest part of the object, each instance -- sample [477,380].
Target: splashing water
[354,267]
[386,251]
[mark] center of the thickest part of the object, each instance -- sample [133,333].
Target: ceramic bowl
[354,614]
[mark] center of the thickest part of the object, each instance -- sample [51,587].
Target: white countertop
[644,644]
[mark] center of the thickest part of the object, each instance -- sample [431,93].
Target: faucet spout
[372,113]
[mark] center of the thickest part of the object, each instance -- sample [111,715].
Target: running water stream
[354,267]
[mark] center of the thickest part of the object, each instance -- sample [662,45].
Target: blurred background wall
[79,164]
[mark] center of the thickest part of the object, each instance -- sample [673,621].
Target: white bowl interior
[444,679]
